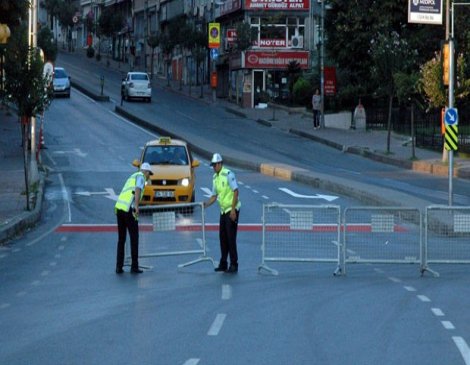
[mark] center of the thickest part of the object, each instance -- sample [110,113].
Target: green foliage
[12,11]
[25,84]
[245,36]
[293,71]
[431,83]
[302,92]
[47,44]
[110,22]
[153,41]
[66,12]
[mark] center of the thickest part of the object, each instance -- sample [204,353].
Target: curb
[89,93]
[26,219]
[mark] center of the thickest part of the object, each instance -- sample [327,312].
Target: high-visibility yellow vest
[223,190]
[126,197]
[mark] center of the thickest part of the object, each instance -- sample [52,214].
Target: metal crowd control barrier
[172,229]
[300,233]
[447,235]
[382,235]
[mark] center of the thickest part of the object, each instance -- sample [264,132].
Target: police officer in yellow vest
[225,191]
[127,212]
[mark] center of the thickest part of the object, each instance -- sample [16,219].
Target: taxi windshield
[166,155]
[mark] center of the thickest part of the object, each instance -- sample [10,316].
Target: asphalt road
[62,303]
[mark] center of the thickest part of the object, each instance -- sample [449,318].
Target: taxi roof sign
[164,140]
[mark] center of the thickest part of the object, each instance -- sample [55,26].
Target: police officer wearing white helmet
[127,213]
[225,191]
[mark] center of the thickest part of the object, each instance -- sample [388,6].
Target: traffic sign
[451,140]
[452,116]
[214,54]
[75,19]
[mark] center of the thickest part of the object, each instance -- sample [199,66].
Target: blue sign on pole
[452,116]
[214,53]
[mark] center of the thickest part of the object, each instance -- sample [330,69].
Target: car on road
[173,167]
[136,85]
[61,82]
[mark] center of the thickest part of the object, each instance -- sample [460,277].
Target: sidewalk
[371,144]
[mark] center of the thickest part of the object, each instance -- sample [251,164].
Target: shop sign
[330,81]
[231,36]
[270,43]
[275,60]
[214,35]
[277,4]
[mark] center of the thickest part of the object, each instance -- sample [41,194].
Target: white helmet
[216,158]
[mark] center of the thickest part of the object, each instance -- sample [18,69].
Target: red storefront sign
[277,4]
[231,36]
[276,59]
[330,81]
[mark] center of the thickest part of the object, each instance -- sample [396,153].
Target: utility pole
[33,42]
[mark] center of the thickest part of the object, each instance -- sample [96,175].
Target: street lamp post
[322,65]
[451,93]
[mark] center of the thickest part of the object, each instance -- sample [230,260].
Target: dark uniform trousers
[228,239]
[127,222]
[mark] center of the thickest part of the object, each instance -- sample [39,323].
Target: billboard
[277,5]
[425,11]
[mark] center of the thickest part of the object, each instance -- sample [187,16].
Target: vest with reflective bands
[126,197]
[223,190]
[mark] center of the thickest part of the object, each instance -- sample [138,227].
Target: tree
[25,86]
[11,12]
[109,23]
[47,44]
[66,12]
[350,24]
[153,41]
[293,71]
[389,54]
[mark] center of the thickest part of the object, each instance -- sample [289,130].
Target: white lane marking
[463,348]
[36,282]
[191,362]
[423,298]
[265,197]
[21,293]
[132,124]
[65,197]
[61,247]
[217,324]
[57,256]
[3,256]
[63,238]
[53,263]
[207,192]
[448,325]
[240,182]
[395,280]
[255,191]
[226,292]
[45,273]
[16,250]
[380,271]
[4,305]
[248,186]
[437,312]
[328,198]
[409,288]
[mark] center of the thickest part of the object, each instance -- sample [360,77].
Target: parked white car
[61,82]
[136,85]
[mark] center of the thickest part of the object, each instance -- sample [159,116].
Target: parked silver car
[136,85]
[61,82]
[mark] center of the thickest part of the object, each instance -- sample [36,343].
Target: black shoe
[233,269]
[119,270]
[221,268]
[136,271]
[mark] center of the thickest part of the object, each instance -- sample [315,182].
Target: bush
[90,52]
[302,92]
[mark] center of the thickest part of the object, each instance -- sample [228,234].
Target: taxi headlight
[185,182]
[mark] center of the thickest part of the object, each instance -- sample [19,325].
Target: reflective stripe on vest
[223,190]
[126,197]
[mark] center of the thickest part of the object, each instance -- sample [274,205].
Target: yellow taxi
[173,179]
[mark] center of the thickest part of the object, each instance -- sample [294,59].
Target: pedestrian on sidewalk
[225,191]
[316,107]
[127,213]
